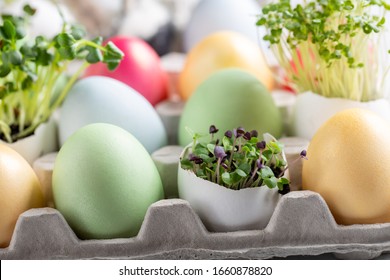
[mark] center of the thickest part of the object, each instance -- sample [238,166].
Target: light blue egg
[105,100]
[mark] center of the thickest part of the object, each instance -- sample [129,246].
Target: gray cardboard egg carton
[301,225]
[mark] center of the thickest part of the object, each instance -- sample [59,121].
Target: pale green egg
[228,99]
[104,180]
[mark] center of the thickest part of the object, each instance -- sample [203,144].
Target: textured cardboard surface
[166,160]
[300,225]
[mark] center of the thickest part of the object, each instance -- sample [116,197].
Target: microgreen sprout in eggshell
[239,160]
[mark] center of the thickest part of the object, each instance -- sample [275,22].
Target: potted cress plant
[233,183]
[30,71]
[333,54]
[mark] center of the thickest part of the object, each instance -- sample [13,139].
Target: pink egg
[140,69]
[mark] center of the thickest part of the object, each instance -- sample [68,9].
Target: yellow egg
[19,191]
[349,166]
[220,50]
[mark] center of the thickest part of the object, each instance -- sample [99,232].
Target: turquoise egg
[228,99]
[104,180]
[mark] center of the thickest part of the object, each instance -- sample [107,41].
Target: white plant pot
[225,210]
[312,110]
[43,141]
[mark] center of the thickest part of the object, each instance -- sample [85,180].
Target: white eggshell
[223,209]
[105,100]
[216,15]
[312,110]
[43,141]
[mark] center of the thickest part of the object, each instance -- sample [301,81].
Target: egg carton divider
[301,225]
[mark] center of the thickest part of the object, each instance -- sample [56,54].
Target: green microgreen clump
[30,69]
[329,47]
[238,160]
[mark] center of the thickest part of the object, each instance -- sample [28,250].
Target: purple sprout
[219,152]
[261,145]
[238,132]
[247,136]
[259,164]
[303,154]
[225,166]
[213,129]
[195,159]
[229,134]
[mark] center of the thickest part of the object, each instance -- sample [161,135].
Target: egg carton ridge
[301,225]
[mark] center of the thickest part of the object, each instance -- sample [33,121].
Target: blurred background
[167,25]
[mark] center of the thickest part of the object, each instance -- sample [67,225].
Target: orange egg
[220,50]
[20,191]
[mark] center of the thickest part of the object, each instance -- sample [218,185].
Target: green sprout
[30,70]
[239,160]
[329,47]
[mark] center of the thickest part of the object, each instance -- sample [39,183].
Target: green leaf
[245,167]
[266,172]
[246,149]
[381,22]
[15,57]
[206,158]
[41,42]
[43,57]
[27,83]
[236,178]
[200,150]
[227,143]
[29,10]
[200,173]
[186,164]
[112,65]
[94,56]
[67,53]
[270,182]
[8,29]
[267,154]
[282,182]
[28,52]
[112,56]
[10,86]
[211,148]
[227,179]
[240,173]
[348,5]
[78,32]
[65,40]
[261,21]
[385,5]
[4,70]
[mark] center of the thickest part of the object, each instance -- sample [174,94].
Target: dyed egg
[349,166]
[140,69]
[228,99]
[102,99]
[19,191]
[218,15]
[219,51]
[104,181]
